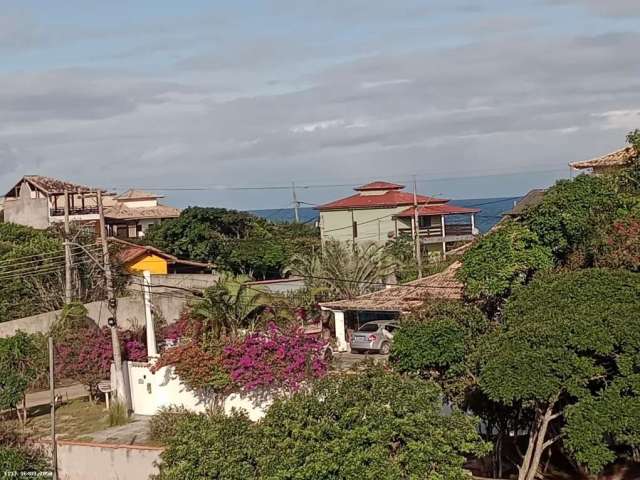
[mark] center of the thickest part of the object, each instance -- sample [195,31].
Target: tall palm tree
[345,270]
[229,305]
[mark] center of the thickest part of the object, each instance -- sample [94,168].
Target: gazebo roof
[619,158]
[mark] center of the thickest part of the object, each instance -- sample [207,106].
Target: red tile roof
[446,209]
[379,186]
[390,199]
[129,252]
[619,158]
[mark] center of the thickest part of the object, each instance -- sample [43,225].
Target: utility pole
[416,229]
[112,304]
[296,204]
[152,351]
[68,289]
[52,392]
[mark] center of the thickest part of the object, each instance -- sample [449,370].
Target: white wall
[150,392]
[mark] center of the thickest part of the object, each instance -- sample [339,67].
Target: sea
[490,212]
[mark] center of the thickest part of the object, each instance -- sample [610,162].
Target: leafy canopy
[503,259]
[563,344]
[371,425]
[236,241]
[19,367]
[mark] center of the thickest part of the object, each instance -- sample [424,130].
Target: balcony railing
[450,229]
[59,212]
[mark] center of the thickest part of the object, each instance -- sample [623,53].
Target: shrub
[372,425]
[17,453]
[164,425]
[212,447]
[620,245]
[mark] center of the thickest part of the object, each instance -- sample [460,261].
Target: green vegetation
[368,426]
[17,453]
[235,241]
[342,270]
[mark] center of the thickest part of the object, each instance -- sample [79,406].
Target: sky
[195,99]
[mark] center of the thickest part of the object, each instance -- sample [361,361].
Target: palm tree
[229,305]
[344,270]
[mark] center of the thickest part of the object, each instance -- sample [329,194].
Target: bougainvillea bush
[85,355]
[275,358]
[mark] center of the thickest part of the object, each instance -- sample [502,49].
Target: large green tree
[567,340]
[371,425]
[504,258]
[236,241]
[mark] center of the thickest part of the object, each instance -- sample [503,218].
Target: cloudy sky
[478,98]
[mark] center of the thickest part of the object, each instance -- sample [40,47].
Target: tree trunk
[537,444]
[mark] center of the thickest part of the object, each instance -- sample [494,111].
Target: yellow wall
[152,263]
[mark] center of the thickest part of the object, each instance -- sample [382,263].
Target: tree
[229,305]
[572,211]
[342,270]
[562,344]
[370,425]
[236,241]
[19,367]
[504,258]
[619,244]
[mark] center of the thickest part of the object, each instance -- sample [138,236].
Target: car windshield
[369,327]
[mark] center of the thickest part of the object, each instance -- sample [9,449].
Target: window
[390,328]
[369,327]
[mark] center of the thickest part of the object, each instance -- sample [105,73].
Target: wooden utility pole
[52,391]
[296,204]
[68,289]
[416,237]
[112,304]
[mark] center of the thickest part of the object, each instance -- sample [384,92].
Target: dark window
[390,328]
[369,327]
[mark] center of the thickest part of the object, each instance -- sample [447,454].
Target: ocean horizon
[491,210]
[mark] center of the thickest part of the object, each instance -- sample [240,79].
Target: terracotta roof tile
[379,186]
[390,199]
[137,195]
[53,185]
[404,298]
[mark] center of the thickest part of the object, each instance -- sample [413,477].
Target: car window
[390,328]
[369,327]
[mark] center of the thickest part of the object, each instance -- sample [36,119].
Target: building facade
[37,201]
[130,214]
[381,211]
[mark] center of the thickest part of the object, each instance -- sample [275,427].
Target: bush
[17,453]
[373,425]
[164,425]
[211,447]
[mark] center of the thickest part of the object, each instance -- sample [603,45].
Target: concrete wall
[150,392]
[91,461]
[130,314]
[24,210]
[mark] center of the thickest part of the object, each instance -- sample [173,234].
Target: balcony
[59,212]
[453,232]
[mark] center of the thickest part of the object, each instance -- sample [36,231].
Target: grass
[74,420]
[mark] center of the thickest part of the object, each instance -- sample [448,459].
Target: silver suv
[376,335]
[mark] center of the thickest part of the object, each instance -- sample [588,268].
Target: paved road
[42,398]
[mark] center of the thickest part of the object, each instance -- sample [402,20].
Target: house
[130,214]
[139,258]
[392,302]
[530,200]
[38,201]
[608,163]
[380,211]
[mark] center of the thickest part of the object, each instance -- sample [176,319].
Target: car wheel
[385,348]
[356,350]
